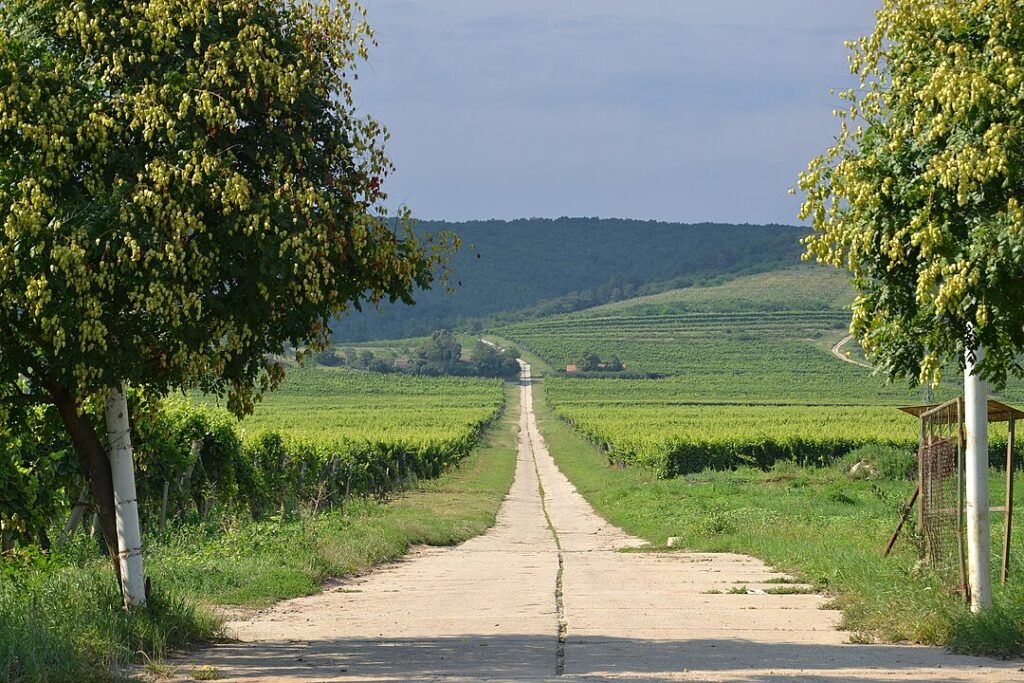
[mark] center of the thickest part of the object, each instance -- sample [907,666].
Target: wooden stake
[903,518]
[163,506]
[1008,526]
[921,478]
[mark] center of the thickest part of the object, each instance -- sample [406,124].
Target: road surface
[837,351]
[546,595]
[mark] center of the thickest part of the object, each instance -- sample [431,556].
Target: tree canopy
[186,187]
[921,195]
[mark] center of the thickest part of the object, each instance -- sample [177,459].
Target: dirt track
[546,596]
[837,351]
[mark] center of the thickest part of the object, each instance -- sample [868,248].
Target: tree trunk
[95,466]
[163,506]
[126,504]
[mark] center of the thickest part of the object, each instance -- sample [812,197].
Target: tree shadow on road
[534,658]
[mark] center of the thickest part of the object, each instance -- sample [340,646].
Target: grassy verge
[60,619]
[815,523]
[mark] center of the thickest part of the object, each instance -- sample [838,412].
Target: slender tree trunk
[94,463]
[44,541]
[126,504]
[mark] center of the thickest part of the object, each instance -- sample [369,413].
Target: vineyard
[326,435]
[745,376]
[241,513]
[684,439]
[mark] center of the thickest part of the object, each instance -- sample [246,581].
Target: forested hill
[528,267]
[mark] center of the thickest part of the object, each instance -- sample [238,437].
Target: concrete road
[546,595]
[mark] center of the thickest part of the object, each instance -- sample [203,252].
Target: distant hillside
[513,270]
[804,287]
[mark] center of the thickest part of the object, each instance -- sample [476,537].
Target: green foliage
[513,270]
[919,196]
[679,439]
[187,187]
[589,362]
[489,361]
[39,474]
[441,349]
[67,623]
[899,464]
[750,381]
[327,435]
[61,618]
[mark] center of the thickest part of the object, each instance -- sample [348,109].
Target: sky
[674,110]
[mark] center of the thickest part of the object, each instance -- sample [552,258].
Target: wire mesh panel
[941,479]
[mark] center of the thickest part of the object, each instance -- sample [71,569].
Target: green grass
[61,620]
[815,523]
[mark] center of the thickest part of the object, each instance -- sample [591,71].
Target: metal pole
[976,465]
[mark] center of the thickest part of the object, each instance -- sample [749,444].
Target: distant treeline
[515,270]
[439,355]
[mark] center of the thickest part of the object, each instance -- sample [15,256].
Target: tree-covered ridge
[535,267]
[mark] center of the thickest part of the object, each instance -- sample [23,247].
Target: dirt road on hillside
[545,596]
[837,351]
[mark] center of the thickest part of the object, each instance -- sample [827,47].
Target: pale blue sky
[677,110]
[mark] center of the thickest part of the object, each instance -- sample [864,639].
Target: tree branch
[22,398]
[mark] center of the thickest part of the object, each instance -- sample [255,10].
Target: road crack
[563,625]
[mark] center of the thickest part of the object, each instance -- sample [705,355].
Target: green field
[60,613]
[746,376]
[814,522]
[334,404]
[699,332]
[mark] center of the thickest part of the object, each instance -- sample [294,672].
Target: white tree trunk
[976,466]
[122,468]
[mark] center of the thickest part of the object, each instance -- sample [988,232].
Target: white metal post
[122,470]
[976,466]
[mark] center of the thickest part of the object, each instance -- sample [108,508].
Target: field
[816,523]
[741,437]
[745,376]
[330,404]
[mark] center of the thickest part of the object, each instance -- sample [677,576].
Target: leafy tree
[442,349]
[185,188]
[489,361]
[615,364]
[921,195]
[329,358]
[589,362]
[365,358]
